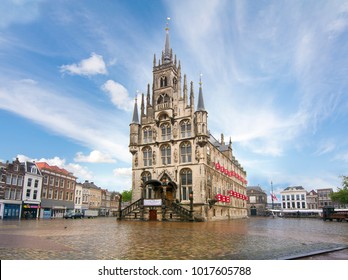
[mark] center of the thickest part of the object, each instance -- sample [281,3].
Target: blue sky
[274,80]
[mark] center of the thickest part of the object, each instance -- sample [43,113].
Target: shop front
[11,211]
[30,211]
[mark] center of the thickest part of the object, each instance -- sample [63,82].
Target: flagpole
[272,195]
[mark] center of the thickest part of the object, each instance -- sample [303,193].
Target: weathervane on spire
[200,79]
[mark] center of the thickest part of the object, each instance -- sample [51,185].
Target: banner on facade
[152,202]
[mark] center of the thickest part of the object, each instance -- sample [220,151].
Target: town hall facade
[178,167]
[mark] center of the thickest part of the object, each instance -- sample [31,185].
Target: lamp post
[272,195]
[191,205]
[119,206]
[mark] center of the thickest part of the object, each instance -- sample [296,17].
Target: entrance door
[253,211]
[153,215]
[169,194]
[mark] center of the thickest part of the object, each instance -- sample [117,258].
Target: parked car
[72,215]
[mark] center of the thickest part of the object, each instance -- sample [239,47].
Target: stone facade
[257,201]
[174,154]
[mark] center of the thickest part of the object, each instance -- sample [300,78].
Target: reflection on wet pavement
[106,238]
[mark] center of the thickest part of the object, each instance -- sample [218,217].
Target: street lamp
[272,195]
[119,206]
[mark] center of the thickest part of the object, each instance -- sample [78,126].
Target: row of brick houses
[34,190]
[291,198]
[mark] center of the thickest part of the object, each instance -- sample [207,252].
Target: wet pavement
[108,239]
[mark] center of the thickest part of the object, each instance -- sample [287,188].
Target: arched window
[147,135]
[163,98]
[185,183]
[186,152]
[163,82]
[175,83]
[166,154]
[166,131]
[145,176]
[147,156]
[185,128]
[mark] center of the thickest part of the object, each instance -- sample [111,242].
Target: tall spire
[167,52]
[200,105]
[135,119]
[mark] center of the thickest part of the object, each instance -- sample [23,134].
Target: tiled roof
[46,166]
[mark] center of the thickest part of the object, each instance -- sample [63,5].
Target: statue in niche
[175,155]
[154,157]
[197,153]
[175,130]
[154,133]
[136,159]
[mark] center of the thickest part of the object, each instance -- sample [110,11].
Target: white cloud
[118,95]
[79,171]
[93,65]
[93,128]
[94,157]
[123,172]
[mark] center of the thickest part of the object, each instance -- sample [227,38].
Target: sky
[274,77]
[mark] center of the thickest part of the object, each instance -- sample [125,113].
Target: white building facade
[293,198]
[31,191]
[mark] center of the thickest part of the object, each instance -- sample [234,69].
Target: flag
[273,196]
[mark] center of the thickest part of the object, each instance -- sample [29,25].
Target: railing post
[191,205]
[119,206]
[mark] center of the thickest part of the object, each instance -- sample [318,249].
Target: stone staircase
[168,211]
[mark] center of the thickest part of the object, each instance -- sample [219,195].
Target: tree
[341,196]
[127,196]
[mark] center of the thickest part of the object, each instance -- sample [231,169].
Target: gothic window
[145,176]
[166,131]
[185,128]
[186,152]
[175,83]
[166,154]
[186,183]
[147,135]
[163,98]
[147,156]
[163,81]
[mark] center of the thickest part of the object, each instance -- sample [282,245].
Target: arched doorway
[253,211]
[164,188]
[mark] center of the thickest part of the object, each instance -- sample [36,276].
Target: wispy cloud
[67,116]
[12,11]
[93,65]
[265,55]
[94,157]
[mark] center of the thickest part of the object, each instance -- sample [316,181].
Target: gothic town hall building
[179,170]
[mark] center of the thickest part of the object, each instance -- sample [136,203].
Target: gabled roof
[312,192]
[56,169]
[29,165]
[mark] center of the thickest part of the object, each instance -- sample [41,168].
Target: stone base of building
[200,213]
